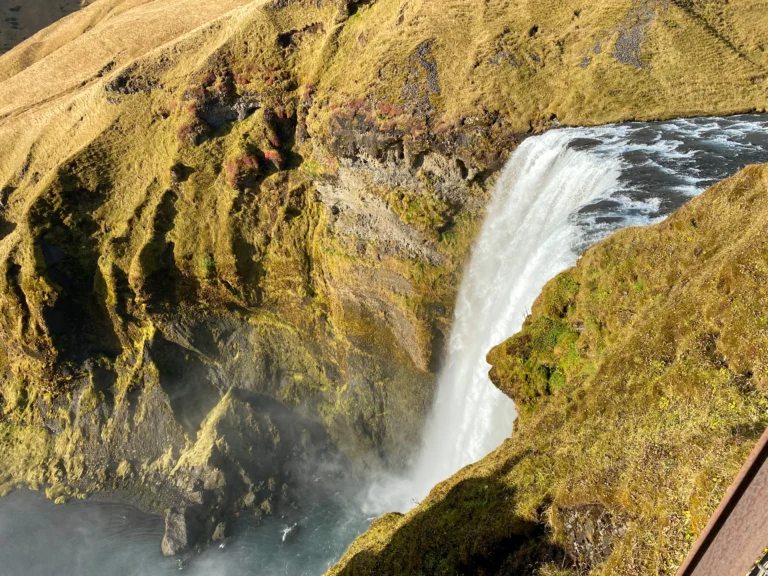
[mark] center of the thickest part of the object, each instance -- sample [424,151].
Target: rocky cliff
[231,232]
[640,381]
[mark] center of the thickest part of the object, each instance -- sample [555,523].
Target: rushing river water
[559,193]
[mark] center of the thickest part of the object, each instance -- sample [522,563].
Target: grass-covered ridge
[641,378]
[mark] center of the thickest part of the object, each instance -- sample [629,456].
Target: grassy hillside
[278,197]
[640,376]
[21,20]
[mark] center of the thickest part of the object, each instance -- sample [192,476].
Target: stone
[220,532]
[181,532]
[178,173]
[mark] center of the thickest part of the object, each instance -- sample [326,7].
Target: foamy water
[559,193]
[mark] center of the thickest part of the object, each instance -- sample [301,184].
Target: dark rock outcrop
[182,531]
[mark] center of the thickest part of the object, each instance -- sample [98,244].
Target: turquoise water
[39,538]
[644,171]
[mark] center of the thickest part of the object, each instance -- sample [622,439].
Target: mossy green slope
[641,380]
[278,196]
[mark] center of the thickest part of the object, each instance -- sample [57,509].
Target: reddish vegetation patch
[241,172]
[308,90]
[384,116]
[272,136]
[195,93]
[190,127]
[388,109]
[277,159]
[208,79]
[186,133]
[282,112]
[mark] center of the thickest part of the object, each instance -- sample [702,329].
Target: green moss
[208,266]
[23,452]
[87,167]
[426,212]
[89,400]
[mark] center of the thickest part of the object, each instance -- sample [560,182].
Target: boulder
[182,531]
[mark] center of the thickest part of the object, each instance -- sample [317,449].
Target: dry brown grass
[20,20]
[523,58]
[88,170]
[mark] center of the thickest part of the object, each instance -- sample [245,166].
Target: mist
[40,538]
[559,193]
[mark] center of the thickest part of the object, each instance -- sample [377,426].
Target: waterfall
[559,193]
[528,237]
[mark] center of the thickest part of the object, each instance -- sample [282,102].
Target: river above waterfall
[559,193]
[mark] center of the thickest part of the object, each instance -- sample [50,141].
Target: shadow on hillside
[472,530]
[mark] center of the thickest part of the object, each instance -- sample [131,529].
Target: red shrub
[208,79]
[273,138]
[195,93]
[224,88]
[389,109]
[187,133]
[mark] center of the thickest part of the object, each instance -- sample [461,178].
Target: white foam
[534,230]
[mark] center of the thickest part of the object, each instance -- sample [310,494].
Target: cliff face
[243,211]
[640,380]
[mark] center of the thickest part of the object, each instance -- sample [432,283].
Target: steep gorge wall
[205,230]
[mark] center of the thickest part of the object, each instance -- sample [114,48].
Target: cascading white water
[528,237]
[559,193]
